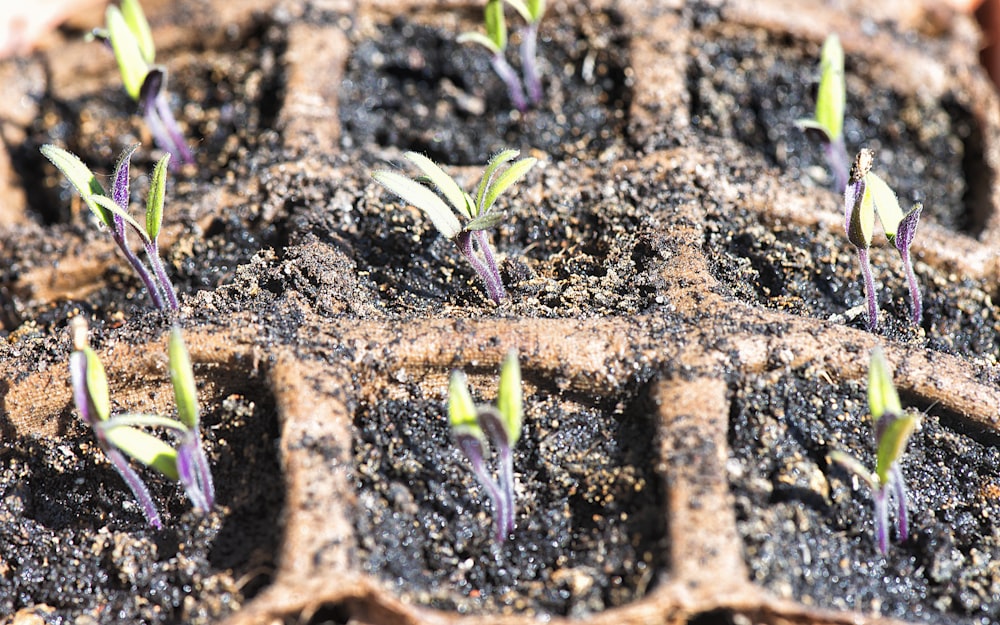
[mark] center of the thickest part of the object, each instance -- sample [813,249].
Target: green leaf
[182,377]
[80,176]
[461,409]
[97,385]
[496,24]
[484,222]
[155,199]
[143,447]
[110,205]
[131,63]
[423,198]
[536,8]
[137,23]
[522,8]
[445,183]
[509,398]
[882,396]
[831,100]
[504,181]
[886,204]
[496,161]
[892,443]
[150,420]
[861,221]
[481,39]
[853,465]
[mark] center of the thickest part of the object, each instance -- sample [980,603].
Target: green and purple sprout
[893,429]
[479,429]
[495,40]
[478,213]
[129,36]
[831,100]
[865,196]
[120,435]
[113,214]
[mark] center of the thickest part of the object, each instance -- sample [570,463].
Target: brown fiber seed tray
[685,305]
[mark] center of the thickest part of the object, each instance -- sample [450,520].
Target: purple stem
[487,271]
[529,44]
[506,484]
[194,473]
[509,76]
[153,252]
[119,237]
[180,149]
[866,272]
[135,483]
[474,452]
[881,519]
[916,306]
[836,157]
[899,487]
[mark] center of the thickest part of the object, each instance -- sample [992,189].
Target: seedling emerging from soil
[113,213]
[478,213]
[128,33]
[121,434]
[495,40]
[893,429]
[867,194]
[477,429]
[831,100]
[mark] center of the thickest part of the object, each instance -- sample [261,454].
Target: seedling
[127,32]
[478,213]
[865,196]
[893,429]
[478,429]
[113,213]
[831,100]
[495,40]
[121,435]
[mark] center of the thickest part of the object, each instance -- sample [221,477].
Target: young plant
[127,32]
[478,213]
[865,196]
[495,40]
[118,436]
[831,100]
[479,429]
[113,213]
[893,429]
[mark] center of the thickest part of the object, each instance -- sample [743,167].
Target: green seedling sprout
[478,429]
[831,100]
[120,435]
[893,429]
[495,40]
[112,212]
[477,212]
[127,32]
[865,196]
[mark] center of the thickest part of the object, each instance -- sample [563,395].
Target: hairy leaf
[504,181]
[445,183]
[423,198]
[156,198]
[80,176]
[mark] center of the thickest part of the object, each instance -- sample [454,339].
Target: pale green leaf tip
[882,395]
[461,409]
[509,396]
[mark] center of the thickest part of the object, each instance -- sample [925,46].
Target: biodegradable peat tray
[687,310]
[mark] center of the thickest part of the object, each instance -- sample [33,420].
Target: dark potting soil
[749,85]
[75,545]
[811,272]
[807,524]
[590,526]
[412,87]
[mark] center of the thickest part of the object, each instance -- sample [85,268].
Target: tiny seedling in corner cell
[495,40]
[127,32]
[831,100]
[865,196]
[479,429]
[113,214]
[893,429]
[477,212]
[122,435]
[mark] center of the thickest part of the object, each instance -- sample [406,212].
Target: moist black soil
[412,87]
[74,541]
[589,523]
[750,85]
[810,272]
[807,524]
